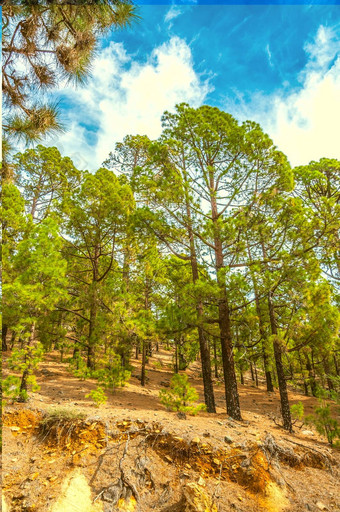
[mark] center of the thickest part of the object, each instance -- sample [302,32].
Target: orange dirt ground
[306,488]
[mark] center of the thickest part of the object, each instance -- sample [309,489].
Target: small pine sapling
[324,423]
[297,412]
[98,396]
[181,396]
[25,361]
[113,375]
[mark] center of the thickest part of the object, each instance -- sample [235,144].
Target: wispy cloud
[269,55]
[124,96]
[304,123]
[172,13]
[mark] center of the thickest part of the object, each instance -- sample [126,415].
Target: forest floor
[133,454]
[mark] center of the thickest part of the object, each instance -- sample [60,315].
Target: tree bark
[143,369]
[26,372]
[327,369]
[266,360]
[4,337]
[252,371]
[285,410]
[256,376]
[311,375]
[215,359]
[230,381]
[208,387]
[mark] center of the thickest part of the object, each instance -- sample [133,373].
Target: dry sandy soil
[133,454]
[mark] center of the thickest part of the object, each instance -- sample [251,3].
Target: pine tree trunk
[267,369]
[13,336]
[26,372]
[92,328]
[252,371]
[311,375]
[215,359]
[208,387]
[143,374]
[305,385]
[4,337]
[230,381]
[256,376]
[327,369]
[176,355]
[285,410]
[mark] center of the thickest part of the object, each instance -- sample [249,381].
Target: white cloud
[304,123]
[172,13]
[124,96]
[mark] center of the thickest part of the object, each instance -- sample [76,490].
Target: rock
[181,415]
[165,383]
[220,422]
[206,434]
[196,440]
[197,500]
[228,440]
[307,433]
[201,482]
[321,506]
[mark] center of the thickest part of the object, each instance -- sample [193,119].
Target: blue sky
[276,64]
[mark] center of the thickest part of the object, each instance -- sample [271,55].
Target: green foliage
[43,44]
[181,396]
[110,375]
[98,396]
[11,387]
[297,411]
[79,368]
[25,361]
[114,377]
[324,423]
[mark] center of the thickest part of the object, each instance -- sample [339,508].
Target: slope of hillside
[133,454]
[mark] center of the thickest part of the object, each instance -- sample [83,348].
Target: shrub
[98,396]
[113,375]
[24,360]
[80,369]
[181,396]
[324,423]
[297,411]
[62,414]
